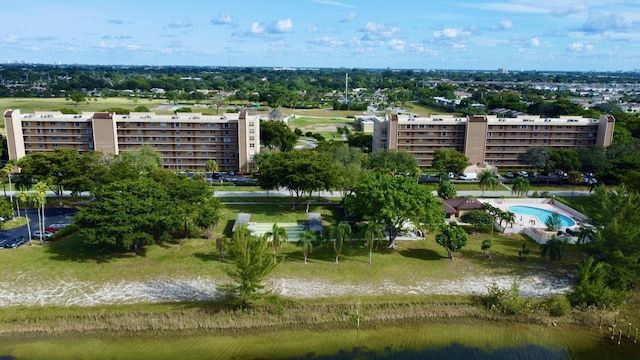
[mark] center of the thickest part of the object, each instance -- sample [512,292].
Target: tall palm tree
[24,197]
[554,248]
[306,240]
[40,200]
[373,234]
[279,238]
[7,171]
[487,180]
[520,186]
[339,233]
[575,178]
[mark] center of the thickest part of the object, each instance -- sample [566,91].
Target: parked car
[54,228]
[15,242]
[3,242]
[45,234]
[508,175]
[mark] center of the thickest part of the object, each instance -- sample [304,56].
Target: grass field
[71,258]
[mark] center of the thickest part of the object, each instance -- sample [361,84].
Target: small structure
[460,206]
[242,220]
[315,222]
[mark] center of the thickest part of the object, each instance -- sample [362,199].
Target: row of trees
[136,202]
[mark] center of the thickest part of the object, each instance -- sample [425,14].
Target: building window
[252,145]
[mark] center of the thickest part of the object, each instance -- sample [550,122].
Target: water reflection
[452,352]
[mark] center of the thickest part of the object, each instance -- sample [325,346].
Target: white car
[45,235]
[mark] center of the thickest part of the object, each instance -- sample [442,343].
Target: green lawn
[413,260]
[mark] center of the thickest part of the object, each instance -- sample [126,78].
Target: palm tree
[373,234]
[554,248]
[40,200]
[509,218]
[553,222]
[25,199]
[339,233]
[487,180]
[7,171]
[306,240]
[278,236]
[575,178]
[520,186]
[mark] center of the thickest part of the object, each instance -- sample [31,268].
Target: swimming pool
[541,214]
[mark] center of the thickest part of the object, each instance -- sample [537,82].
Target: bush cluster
[506,301]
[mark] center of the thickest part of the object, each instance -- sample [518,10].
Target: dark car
[3,241]
[15,242]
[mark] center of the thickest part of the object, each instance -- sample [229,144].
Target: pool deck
[531,225]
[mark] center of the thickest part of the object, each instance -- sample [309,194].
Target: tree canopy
[452,238]
[393,201]
[449,160]
[301,172]
[131,213]
[277,135]
[392,162]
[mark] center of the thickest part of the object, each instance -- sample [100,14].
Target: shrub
[506,301]
[558,305]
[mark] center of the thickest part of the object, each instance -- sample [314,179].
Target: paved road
[329,194]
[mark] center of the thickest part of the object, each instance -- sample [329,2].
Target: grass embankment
[414,261]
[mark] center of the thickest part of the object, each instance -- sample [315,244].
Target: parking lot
[52,216]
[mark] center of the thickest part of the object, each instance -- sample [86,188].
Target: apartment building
[487,139]
[184,140]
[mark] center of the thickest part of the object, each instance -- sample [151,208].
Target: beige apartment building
[488,139]
[184,140]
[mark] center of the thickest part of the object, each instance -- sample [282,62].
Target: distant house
[457,207]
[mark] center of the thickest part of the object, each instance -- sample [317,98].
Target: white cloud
[222,19]
[535,42]
[281,26]
[396,44]
[506,24]
[179,24]
[450,33]
[256,29]
[580,47]
[422,49]
[327,41]
[376,31]
[348,18]
[572,9]
[509,7]
[597,23]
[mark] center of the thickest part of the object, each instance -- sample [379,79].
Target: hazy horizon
[408,34]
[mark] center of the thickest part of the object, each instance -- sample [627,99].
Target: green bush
[506,301]
[558,305]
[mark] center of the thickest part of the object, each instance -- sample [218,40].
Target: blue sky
[602,35]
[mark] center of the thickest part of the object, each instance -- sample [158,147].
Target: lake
[455,339]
